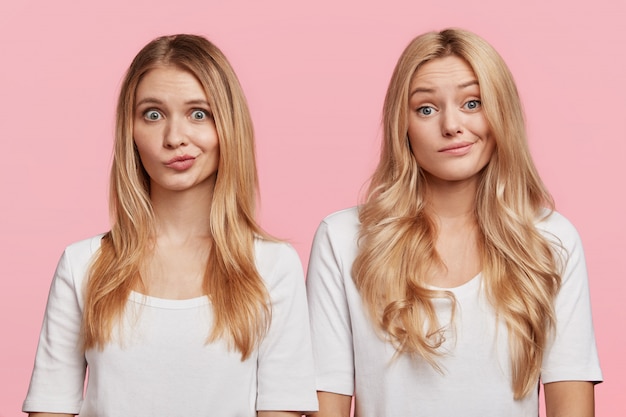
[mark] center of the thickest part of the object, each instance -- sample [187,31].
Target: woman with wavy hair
[185,307]
[455,287]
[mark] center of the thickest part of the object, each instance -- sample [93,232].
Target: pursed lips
[180,158]
[181,163]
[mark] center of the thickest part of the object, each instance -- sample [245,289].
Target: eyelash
[147,112]
[477,101]
[207,114]
[420,110]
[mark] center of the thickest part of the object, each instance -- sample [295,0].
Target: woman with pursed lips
[186,306]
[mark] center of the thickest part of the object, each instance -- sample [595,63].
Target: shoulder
[345,220]
[78,256]
[268,252]
[566,241]
[83,250]
[336,240]
[558,229]
[73,267]
[277,261]
[341,227]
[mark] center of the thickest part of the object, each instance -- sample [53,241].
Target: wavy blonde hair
[397,235]
[239,298]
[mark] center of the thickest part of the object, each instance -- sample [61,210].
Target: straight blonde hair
[397,235]
[239,298]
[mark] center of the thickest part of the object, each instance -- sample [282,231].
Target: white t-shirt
[159,364]
[352,359]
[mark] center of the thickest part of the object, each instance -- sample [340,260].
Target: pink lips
[458,148]
[181,163]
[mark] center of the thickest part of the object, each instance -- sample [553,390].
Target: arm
[285,370]
[571,356]
[58,377]
[329,314]
[333,405]
[330,324]
[569,398]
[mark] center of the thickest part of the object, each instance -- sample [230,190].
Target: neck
[458,238]
[452,201]
[182,215]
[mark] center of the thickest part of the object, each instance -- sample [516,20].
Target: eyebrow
[152,100]
[432,90]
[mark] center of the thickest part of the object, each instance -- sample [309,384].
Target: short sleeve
[572,356]
[330,315]
[58,377]
[286,380]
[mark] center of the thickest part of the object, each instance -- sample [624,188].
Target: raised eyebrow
[198,102]
[469,84]
[152,100]
[432,90]
[421,90]
[148,100]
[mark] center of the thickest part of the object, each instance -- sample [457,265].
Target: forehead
[171,80]
[447,70]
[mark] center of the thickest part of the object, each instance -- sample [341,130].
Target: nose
[451,123]
[174,134]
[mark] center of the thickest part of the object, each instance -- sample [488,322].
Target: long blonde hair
[397,236]
[238,295]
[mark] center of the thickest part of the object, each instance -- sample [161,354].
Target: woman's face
[449,135]
[174,131]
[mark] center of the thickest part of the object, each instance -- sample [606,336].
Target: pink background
[315,74]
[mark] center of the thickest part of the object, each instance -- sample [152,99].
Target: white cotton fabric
[352,359]
[159,364]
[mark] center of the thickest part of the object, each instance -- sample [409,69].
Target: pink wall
[315,76]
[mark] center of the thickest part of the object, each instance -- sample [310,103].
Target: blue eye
[199,115]
[152,115]
[425,110]
[473,104]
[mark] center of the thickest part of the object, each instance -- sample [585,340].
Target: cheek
[421,138]
[143,150]
[489,150]
[138,138]
[480,126]
[210,141]
[488,137]
[142,138]
[139,145]
[211,137]
[215,144]
[418,152]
